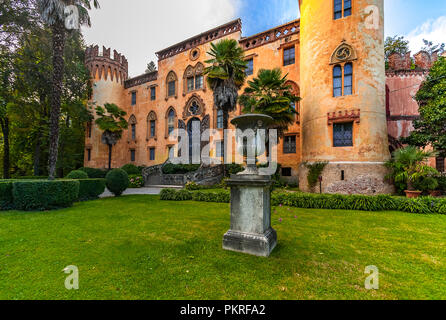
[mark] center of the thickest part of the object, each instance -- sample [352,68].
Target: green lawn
[138,247]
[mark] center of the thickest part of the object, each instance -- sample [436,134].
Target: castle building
[334,58]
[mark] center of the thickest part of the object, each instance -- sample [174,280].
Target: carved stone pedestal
[251,230]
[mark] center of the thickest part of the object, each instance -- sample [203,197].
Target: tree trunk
[110,147]
[6,162]
[58,72]
[37,156]
[225,126]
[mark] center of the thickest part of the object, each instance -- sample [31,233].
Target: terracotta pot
[435,193]
[413,194]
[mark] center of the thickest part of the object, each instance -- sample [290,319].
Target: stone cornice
[200,39]
[144,78]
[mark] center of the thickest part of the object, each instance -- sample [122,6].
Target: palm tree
[226,75]
[53,13]
[111,121]
[269,94]
[409,164]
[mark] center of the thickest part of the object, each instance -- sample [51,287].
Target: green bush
[171,168]
[422,205]
[6,198]
[442,183]
[233,168]
[131,169]
[136,181]
[45,195]
[117,181]
[191,186]
[77,174]
[32,178]
[90,189]
[94,173]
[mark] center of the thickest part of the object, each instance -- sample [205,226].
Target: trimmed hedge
[423,205]
[94,173]
[44,195]
[131,169]
[77,174]
[90,189]
[6,198]
[117,181]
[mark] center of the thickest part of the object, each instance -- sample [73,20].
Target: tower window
[440,164]
[133,98]
[289,55]
[337,9]
[289,144]
[152,93]
[152,154]
[250,67]
[132,155]
[348,79]
[343,134]
[337,81]
[347,8]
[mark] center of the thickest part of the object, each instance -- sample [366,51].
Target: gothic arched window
[193,78]
[171,119]
[171,84]
[151,125]
[132,123]
[348,79]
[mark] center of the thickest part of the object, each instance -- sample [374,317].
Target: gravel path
[127,192]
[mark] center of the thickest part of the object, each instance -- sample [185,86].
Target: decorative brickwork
[144,78]
[104,67]
[281,32]
[344,116]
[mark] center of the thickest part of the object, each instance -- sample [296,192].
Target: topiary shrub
[44,195]
[6,198]
[90,189]
[117,181]
[131,169]
[94,173]
[167,194]
[77,174]
[136,181]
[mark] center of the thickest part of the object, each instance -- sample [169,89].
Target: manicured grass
[137,247]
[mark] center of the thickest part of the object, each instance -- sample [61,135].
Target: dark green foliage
[77,174]
[6,199]
[314,172]
[131,169]
[44,195]
[117,181]
[171,168]
[94,173]
[91,189]
[442,183]
[423,205]
[32,178]
[233,168]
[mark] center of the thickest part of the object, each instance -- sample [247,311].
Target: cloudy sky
[139,28]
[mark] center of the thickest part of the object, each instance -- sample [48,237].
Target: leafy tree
[226,74]
[269,94]
[431,48]
[151,67]
[395,44]
[430,129]
[111,121]
[52,13]
[408,165]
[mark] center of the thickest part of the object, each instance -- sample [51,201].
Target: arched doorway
[189,132]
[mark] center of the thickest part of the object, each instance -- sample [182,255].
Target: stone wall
[204,176]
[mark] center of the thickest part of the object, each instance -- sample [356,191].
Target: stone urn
[251,230]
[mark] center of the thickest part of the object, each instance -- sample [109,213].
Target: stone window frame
[193,72]
[171,76]
[343,55]
[132,122]
[175,121]
[200,103]
[151,117]
[285,48]
[289,150]
[333,133]
[343,9]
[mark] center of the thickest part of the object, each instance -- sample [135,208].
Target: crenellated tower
[343,89]
[108,75]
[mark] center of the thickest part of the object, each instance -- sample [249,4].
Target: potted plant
[428,185]
[408,165]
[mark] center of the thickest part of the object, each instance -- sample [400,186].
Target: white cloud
[139,28]
[432,30]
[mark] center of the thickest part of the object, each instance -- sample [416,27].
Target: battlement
[422,60]
[103,66]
